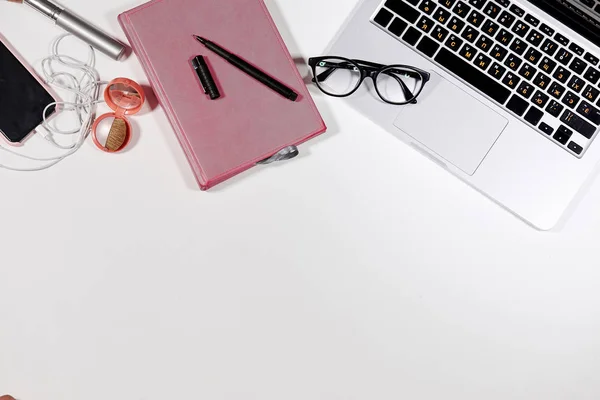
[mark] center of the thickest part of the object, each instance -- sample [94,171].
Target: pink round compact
[112,132]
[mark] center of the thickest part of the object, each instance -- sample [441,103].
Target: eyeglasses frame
[371,70]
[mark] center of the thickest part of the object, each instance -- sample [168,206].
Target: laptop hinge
[572,17]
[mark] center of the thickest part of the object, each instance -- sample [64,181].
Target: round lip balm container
[125,97]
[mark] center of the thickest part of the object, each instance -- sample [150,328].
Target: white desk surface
[360,270]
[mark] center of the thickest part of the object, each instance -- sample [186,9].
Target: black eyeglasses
[395,84]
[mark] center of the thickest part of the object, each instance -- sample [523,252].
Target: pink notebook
[250,122]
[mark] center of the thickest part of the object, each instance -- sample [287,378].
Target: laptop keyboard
[508,54]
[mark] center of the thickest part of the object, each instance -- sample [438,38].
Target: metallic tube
[45,7]
[79,28]
[90,34]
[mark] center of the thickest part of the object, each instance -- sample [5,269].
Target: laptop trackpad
[452,123]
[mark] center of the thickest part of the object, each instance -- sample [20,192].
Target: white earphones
[86,91]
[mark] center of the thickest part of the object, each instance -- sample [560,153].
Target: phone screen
[22,98]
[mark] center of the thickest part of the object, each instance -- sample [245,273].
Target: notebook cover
[250,122]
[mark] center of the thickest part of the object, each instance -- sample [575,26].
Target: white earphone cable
[86,91]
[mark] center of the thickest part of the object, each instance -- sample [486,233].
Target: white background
[360,270]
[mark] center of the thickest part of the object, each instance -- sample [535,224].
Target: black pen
[250,69]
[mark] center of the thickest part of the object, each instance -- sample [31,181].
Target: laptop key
[549,47]
[492,10]
[533,56]
[563,56]
[454,42]
[576,84]
[482,61]
[504,3]
[570,100]
[506,19]
[592,59]
[534,116]
[527,71]
[535,38]
[540,99]
[517,10]
[592,75]
[556,90]
[441,15]
[547,30]
[542,81]
[414,2]
[411,36]
[425,24]
[547,65]
[575,48]
[554,108]
[383,17]
[470,34]
[496,70]
[517,105]
[513,62]
[561,39]
[472,75]
[468,52]
[561,74]
[511,80]
[397,26]
[456,24]
[447,3]
[461,9]
[547,129]
[439,33]
[532,20]
[498,52]
[578,65]
[403,9]
[563,134]
[518,46]
[428,46]
[427,6]
[575,148]
[578,124]
[490,27]
[589,111]
[520,28]
[475,18]
[484,43]
[504,37]
[591,93]
[525,90]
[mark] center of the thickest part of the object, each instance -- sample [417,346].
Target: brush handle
[90,34]
[45,7]
[79,28]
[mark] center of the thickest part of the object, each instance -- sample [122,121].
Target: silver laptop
[512,106]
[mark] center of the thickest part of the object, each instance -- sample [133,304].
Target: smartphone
[23,97]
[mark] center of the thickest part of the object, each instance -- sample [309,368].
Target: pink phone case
[250,122]
[37,78]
